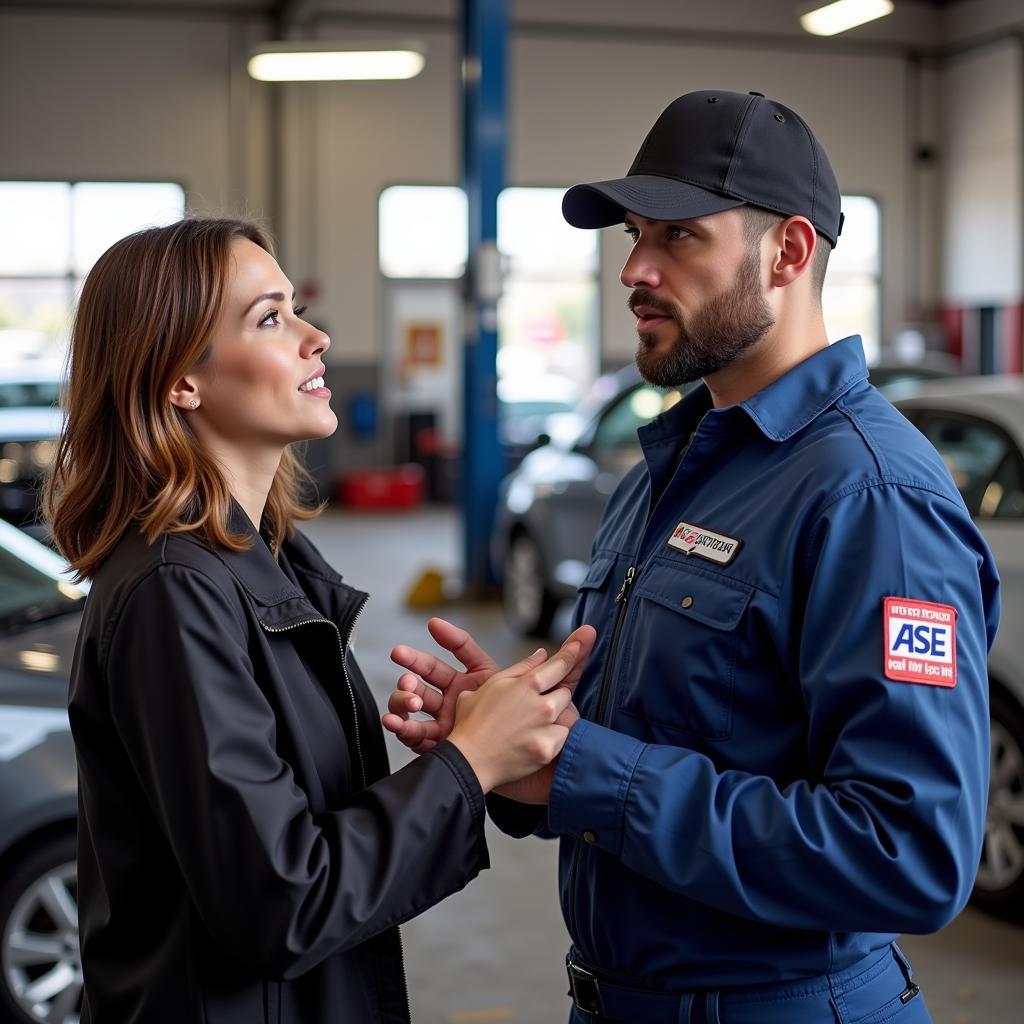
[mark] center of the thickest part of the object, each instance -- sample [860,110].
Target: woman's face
[250,389]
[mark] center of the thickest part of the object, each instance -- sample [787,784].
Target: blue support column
[485,29]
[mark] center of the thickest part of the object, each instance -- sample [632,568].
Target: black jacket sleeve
[276,886]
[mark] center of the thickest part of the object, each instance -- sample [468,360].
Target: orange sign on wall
[424,345]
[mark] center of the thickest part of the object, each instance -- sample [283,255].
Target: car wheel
[528,601]
[39,954]
[999,887]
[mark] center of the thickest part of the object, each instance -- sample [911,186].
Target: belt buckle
[584,989]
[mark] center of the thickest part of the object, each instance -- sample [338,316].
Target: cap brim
[601,203]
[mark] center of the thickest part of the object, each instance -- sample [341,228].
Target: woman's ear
[185,394]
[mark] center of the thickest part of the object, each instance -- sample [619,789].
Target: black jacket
[244,856]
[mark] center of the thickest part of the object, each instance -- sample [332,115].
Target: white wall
[134,98]
[983,165]
[579,111]
[345,143]
[120,95]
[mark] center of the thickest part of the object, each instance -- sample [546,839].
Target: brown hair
[127,454]
[757,220]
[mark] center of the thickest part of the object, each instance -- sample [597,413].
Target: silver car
[550,509]
[30,423]
[977,425]
[40,969]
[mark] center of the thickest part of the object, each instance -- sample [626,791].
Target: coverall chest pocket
[678,666]
[595,605]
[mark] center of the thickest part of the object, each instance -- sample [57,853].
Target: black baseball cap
[714,150]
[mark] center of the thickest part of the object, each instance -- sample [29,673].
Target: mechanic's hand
[432,686]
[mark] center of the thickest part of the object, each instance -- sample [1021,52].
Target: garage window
[851,300]
[52,232]
[548,312]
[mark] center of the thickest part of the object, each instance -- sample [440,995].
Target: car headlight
[25,459]
[42,452]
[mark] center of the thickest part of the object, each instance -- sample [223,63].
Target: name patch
[695,540]
[920,641]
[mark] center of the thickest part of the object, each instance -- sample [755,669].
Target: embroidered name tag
[695,540]
[920,642]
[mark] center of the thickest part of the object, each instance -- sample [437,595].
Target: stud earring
[194,404]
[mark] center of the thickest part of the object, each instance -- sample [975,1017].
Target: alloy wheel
[529,607]
[42,964]
[1002,856]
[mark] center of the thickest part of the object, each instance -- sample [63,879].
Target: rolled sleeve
[591,785]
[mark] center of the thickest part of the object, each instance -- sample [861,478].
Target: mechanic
[782,757]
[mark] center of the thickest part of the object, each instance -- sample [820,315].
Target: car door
[611,448]
[987,467]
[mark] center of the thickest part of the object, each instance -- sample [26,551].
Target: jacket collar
[280,602]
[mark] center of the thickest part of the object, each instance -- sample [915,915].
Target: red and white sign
[920,642]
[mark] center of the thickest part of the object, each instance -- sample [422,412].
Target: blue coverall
[782,761]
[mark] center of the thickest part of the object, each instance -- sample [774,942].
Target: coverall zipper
[620,599]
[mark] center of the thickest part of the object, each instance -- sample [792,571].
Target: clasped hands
[510,724]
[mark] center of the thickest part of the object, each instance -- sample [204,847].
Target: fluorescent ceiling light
[301,61]
[844,14]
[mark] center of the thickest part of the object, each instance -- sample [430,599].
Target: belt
[856,992]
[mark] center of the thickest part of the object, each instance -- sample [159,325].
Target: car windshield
[30,588]
[29,394]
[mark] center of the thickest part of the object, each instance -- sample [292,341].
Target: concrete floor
[494,952]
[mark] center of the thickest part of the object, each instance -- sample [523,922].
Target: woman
[244,855]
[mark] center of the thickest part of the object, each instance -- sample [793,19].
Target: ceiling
[918,26]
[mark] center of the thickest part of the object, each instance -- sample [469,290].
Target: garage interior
[921,113]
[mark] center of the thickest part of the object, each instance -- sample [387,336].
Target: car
[896,379]
[549,510]
[977,426]
[30,423]
[40,611]
[525,408]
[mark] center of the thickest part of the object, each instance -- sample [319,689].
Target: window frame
[877,278]
[70,278]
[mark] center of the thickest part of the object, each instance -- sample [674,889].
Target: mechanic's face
[697,295]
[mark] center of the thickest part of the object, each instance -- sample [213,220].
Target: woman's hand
[509,727]
[433,686]
[536,788]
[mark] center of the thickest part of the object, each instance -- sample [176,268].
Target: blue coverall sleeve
[885,835]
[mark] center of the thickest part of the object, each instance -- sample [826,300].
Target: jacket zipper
[342,645]
[344,671]
[401,966]
[348,683]
[620,599]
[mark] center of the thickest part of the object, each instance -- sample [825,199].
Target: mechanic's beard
[720,332]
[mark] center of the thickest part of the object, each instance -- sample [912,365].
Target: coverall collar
[801,395]
[782,408]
